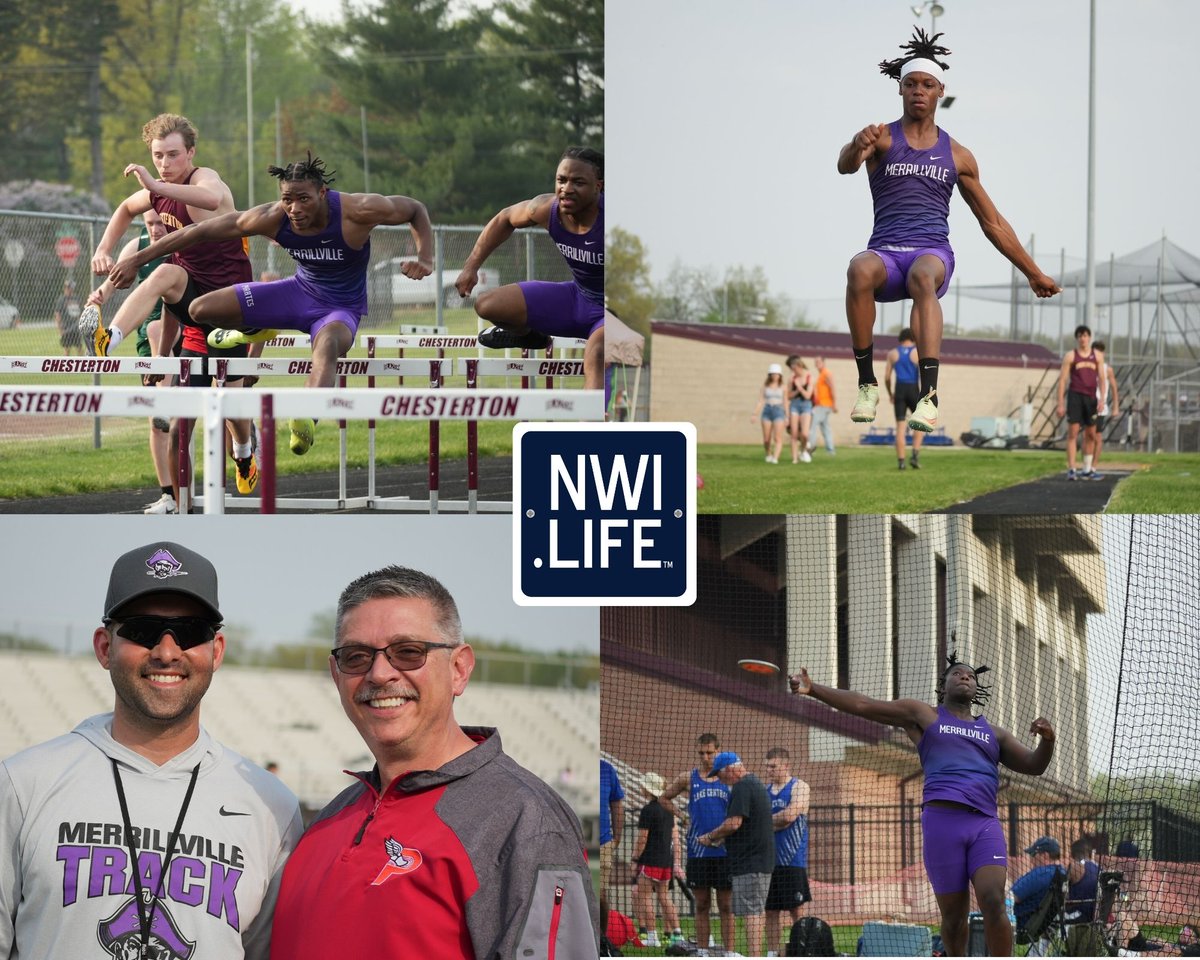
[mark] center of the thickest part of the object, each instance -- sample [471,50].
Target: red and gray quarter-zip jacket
[478,859]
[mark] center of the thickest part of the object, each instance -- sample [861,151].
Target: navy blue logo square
[604,514]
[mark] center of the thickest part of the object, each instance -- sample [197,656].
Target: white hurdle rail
[214,405]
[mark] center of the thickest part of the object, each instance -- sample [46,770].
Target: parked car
[389,284]
[9,317]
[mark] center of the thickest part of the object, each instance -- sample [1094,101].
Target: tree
[627,285]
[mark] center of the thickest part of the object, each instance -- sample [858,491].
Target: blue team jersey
[906,370]
[707,802]
[610,790]
[791,843]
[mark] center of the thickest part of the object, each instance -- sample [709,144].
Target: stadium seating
[295,718]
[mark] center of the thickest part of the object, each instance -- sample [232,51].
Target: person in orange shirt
[824,405]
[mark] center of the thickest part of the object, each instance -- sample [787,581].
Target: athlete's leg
[754,923]
[167,282]
[643,895]
[805,429]
[901,426]
[703,915]
[767,426]
[989,894]
[504,307]
[331,341]
[865,275]
[669,914]
[953,907]
[728,921]
[219,308]
[1072,440]
[794,433]
[925,278]
[593,360]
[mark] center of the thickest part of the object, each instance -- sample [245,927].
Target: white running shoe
[651,939]
[924,417]
[164,504]
[864,406]
[806,457]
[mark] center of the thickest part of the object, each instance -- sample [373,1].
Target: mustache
[372,692]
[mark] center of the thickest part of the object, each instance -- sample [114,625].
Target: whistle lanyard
[145,911]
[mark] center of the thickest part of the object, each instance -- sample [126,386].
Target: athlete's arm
[639,844]
[912,715]
[892,357]
[797,806]
[1064,374]
[674,789]
[204,192]
[527,213]
[1016,756]
[373,209]
[994,226]
[616,811]
[132,206]
[1112,380]
[869,143]
[105,290]
[728,825]
[262,220]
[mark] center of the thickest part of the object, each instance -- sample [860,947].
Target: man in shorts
[707,866]
[902,360]
[789,890]
[749,837]
[913,166]
[526,314]
[328,234]
[1080,372]
[1107,401]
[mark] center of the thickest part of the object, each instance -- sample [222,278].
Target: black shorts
[789,888]
[1100,421]
[709,873]
[1081,408]
[205,377]
[905,398]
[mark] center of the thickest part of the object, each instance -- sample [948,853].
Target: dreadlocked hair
[921,46]
[981,692]
[312,170]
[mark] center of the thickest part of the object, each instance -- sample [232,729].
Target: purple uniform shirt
[961,760]
[911,191]
[584,252]
[327,269]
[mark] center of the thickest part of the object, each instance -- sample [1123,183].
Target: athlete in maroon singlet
[182,194]
[1080,369]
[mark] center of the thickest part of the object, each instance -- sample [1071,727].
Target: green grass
[65,465]
[865,480]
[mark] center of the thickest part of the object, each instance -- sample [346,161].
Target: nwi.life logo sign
[604,514]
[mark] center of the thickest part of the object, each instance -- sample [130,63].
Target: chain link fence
[45,277]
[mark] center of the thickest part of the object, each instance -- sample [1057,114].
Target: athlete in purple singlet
[960,755]
[913,166]
[328,235]
[526,314]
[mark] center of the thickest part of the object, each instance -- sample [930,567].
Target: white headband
[922,65]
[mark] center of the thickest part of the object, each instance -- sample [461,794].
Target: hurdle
[213,405]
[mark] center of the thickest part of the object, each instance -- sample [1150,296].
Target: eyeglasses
[356,659]
[147,631]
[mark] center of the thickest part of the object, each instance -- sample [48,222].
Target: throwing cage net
[1090,622]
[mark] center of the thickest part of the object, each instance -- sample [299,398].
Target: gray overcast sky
[723,125]
[276,572]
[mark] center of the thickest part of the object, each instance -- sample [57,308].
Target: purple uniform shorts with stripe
[899,262]
[958,841]
[559,310]
[283,304]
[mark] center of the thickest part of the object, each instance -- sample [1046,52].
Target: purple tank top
[327,269]
[911,192]
[584,252]
[961,761]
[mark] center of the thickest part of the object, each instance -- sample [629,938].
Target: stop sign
[67,249]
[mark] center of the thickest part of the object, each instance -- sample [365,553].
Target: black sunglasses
[146,631]
[357,659]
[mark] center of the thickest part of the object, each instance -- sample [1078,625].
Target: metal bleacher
[295,718]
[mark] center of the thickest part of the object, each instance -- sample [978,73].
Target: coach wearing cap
[749,842]
[1029,890]
[137,829]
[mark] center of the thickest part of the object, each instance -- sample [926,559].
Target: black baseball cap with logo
[161,567]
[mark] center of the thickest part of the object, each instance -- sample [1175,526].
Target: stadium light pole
[935,10]
[1090,297]
[249,120]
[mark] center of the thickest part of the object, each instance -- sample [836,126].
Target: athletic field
[866,480]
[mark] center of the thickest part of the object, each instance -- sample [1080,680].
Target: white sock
[1087,463]
[241,450]
[116,337]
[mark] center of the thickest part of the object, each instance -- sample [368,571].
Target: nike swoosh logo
[938,157]
[330,240]
[994,857]
[588,243]
[231,813]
